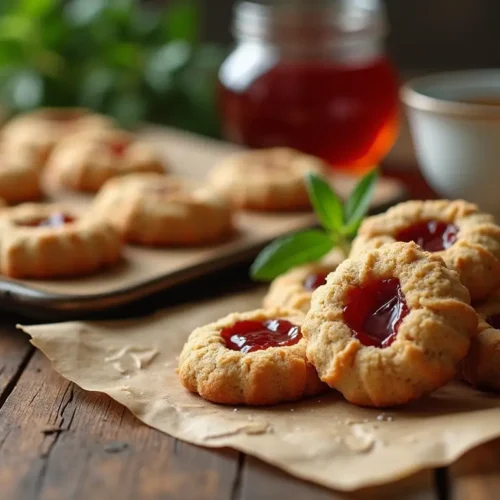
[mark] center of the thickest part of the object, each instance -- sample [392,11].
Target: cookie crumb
[359,444]
[383,417]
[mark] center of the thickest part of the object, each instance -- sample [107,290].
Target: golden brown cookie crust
[77,248]
[288,290]
[39,131]
[266,179]
[19,176]
[266,377]
[481,366]
[155,209]
[475,255]
[431,340]
[86,161]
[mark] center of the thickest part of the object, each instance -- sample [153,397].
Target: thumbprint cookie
[47,241]
[389,326]
[84,162]
[266,179]
[481,366]
[294,288]
[253,358]
[155,209]
[39,131]
[466,239]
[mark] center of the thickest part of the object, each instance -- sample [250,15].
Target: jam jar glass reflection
[313,76]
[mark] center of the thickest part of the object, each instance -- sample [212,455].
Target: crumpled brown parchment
[323,439]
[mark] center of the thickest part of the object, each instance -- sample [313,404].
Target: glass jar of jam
[311,74]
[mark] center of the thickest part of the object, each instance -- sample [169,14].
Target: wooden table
[60,442]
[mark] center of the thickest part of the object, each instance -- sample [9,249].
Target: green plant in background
[340,225]
[133,61]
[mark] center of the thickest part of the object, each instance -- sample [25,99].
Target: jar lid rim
[257,19]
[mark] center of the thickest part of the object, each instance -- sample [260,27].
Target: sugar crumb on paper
[252,428]
[359,444]
[131,358]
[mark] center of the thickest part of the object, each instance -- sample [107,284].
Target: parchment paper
[323,439]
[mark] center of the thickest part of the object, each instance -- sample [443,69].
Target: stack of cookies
[416,304]
[78,150]
[136,200]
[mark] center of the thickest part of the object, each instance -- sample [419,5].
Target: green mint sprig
[340,223]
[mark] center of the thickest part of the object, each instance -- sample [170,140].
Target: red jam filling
[314,280]
[118,148]
[494,321]
[375,311]
[431,235]
[53,220]
[249,336]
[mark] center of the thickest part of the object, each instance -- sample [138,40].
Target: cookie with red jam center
[86,161]
[294,288]
[389,325]
[466,239]
[250,335]
[431,235]
[375,311]
[254,358]
[40,240]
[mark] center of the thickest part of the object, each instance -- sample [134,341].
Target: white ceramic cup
[458,142]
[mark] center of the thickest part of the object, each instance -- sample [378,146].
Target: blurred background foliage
[133,60]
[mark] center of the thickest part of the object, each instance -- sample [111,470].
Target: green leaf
[326,204]
[124,55]
[11,53]
[290,251]
[15,27]
[36,8]
[358,203]
[182,21]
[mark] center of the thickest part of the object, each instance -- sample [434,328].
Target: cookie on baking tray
[266,179]
[481,366]
[389,326]
[39,131]
[40,240]
[254,358]
[466,239]
[19,176]
[155,209]
[294,288]
[84,162]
